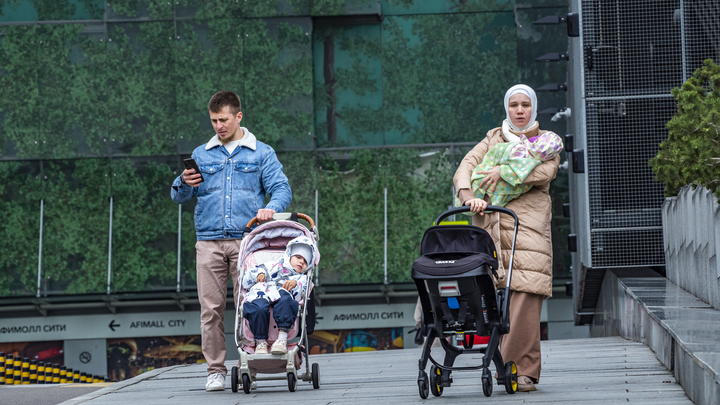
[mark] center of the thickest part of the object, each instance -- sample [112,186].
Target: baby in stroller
[280,284]
[276,265]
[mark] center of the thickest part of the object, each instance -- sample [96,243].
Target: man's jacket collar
[248,141]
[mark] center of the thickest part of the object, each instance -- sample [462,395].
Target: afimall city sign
[187,323]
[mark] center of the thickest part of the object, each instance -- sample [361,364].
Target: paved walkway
[578,372]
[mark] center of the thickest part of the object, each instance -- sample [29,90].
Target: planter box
[691,237]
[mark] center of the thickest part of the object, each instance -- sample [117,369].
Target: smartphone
[191,164]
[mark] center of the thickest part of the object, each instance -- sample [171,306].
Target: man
[237,171]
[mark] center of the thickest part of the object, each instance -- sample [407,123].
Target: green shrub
[691,153]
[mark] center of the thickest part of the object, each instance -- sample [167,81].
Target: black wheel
[234,379]
[435,374]
[487,386]
[487,382]
[292,382]
[247,384]
[510,377]
[423,386]
[316,375]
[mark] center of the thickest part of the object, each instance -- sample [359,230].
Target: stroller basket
[456,276]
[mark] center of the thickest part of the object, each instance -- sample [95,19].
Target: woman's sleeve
[461,180]
[544,173]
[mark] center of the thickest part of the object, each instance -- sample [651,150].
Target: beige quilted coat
[533,263]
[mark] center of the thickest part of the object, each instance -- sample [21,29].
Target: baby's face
[298,263]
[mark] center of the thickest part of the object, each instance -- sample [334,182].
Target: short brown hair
[222,99]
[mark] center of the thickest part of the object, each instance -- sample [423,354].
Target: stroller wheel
[292,382]
[316,375]
[247,384]
[423,385]
[487,383]
[234,379]
[435,387]
[510,377]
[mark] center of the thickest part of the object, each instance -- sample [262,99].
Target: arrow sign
[113,325]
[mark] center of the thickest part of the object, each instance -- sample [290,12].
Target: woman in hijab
[532,266]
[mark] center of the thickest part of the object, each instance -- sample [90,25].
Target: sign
[102,326]
[109,326]
[365,316]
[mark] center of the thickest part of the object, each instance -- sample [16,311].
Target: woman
[532,266]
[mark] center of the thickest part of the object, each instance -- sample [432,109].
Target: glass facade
[100,102]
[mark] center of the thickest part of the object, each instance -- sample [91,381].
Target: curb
[119,385]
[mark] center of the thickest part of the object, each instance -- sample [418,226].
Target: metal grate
[625,202]
[635,52]
[701,32]
[632,47]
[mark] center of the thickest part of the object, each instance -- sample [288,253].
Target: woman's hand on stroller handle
[466,208]
[477,205]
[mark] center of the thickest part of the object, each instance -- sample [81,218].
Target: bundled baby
[278,284]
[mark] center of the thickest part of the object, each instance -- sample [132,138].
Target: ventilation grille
[625,202]
[632,47]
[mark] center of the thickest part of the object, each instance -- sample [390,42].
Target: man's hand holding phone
[191,178]
[191,175]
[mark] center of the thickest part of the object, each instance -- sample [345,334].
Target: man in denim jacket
[238,170]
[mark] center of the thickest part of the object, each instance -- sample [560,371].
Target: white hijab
[507,123]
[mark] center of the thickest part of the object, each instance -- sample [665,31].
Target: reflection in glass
[141,90]
[348,85]
[278,80]
[209,58]
[277,8]
[403,7]
[72,91]
[145,219]
[76,226]
[18,81]
[351,217]
[20,194]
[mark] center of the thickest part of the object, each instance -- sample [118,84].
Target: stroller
[455,277]
[265,243]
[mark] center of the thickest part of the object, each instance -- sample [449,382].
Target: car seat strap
[462,312]
[447,312]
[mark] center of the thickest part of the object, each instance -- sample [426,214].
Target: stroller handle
[466,208]
[281,216]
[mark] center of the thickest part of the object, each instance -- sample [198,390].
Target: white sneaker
[279,347]
[215,382]
[261,347]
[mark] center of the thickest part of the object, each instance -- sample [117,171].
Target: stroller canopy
[454,249]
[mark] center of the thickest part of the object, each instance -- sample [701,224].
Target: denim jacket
[234,188]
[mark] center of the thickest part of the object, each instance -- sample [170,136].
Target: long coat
[533,261]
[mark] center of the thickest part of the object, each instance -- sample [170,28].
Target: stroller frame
[489,315]
[241,376]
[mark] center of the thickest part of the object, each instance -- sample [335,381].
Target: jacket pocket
[212,176]
[247,177]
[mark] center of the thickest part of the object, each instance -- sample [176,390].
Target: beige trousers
[522,344]
[217,260]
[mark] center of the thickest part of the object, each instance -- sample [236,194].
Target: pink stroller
[265,243]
